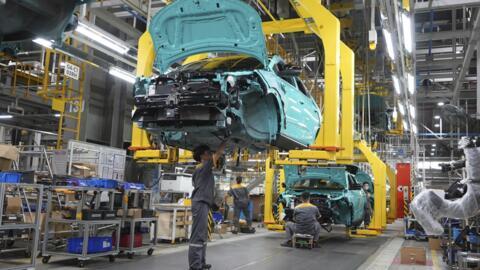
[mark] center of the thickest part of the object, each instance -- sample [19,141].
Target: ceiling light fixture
[122,74]
[396,84]
[411,83]
[407,32]
[101,38]
[6,116]
[411,109]
[401,109]
[43,42]
[389,43]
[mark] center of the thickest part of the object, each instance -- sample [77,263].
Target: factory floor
[263,251]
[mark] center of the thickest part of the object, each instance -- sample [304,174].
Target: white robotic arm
[430,205]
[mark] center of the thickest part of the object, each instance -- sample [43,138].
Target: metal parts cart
[131,222]
[29,232]
[84,228]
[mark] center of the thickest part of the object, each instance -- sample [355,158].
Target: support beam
[118,23]
[442,35]
[472,46]
[443,5]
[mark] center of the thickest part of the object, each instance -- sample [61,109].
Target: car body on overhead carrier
[240,94]
[335,190]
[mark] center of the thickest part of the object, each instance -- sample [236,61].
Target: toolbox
[148,213]
[96,244]
[90,214]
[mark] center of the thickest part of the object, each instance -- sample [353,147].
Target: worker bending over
[241,199]
[305,217]
[202,200]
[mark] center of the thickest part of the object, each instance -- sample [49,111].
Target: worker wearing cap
[202,201]
[305,219]
[241,199]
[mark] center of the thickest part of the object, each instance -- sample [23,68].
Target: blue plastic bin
[103,183]
[10,177]
[75,182]
[96,244]
[134,186]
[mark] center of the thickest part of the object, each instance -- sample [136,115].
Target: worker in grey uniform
[305,219]
[241,199]
[202,200]
[368,205]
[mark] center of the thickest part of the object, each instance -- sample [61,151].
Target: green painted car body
[240,94]
[336,191]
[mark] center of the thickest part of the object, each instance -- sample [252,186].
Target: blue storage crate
[75,182]
[135,186]
[103,183]
[10,177]
[96,244]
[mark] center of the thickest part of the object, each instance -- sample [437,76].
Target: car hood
[186,27]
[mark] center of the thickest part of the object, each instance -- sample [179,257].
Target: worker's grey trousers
[198,239]
[291,229]
[239,208]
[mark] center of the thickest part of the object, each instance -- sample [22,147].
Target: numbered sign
[72,71]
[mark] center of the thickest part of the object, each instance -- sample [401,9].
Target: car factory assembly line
[257,101]
[239,134]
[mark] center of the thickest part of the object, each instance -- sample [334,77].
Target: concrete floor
[262,251]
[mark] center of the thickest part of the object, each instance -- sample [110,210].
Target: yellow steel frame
[63,93]
[335,143]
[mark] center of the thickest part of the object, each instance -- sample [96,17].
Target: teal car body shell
[335,190]
[252,99]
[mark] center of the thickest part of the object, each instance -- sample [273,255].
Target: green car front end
[336,191]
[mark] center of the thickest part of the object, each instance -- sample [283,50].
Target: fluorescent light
[411,109]
[407,32]
[43,42]
[396,84]
[6,116]
[405,125]
[437,125]
[401,109]
[432,154]
[441,104]
[437,116]
[434,145]
[57,115]
[389,43]
[100,38]
[122,74]
[411,83]
[414,129]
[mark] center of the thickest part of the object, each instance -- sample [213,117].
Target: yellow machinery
[335,143]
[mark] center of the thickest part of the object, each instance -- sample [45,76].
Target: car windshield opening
[317,184]
[223,64]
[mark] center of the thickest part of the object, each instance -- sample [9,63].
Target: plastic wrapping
[472,156]
[429,206]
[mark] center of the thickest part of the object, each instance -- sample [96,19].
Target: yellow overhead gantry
[335,143]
